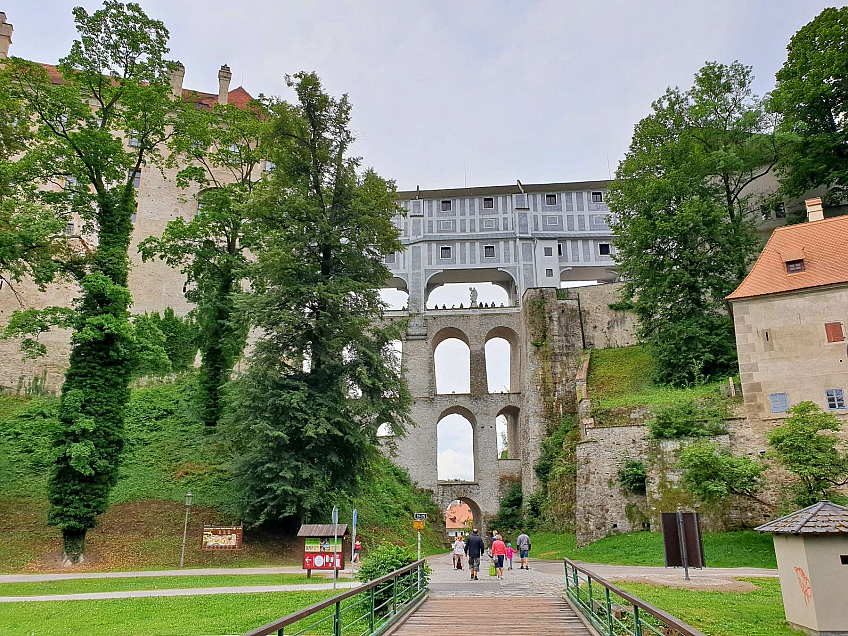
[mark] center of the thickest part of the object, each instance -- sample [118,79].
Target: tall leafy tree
[222,152]
[684,221]
[113,86]
[812,97]
[321,379]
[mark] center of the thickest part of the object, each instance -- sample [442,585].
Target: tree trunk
[74,544]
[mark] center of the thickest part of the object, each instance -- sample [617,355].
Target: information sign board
[222,538]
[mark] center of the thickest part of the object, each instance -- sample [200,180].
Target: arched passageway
[503,361]
[455,446]
[461,517]
[506,425]
[452,362]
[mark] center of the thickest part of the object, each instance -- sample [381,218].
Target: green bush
[633,476]
[712,473]
[510,515]
[698,418]
[383,560]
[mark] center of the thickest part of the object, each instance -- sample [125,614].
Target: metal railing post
[394,595]
[591,595]
[371,614]
[567,585]
[637,621]
[337,620]
[609,613]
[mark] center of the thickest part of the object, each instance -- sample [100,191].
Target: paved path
[62,576]
[200,591]
[447,582]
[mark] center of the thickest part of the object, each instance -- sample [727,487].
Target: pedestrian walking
[474,548]
[509,553]
[523,545]
[499,554]
[458,552]
[357,549]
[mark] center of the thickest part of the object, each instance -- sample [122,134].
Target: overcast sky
[449,93]
[539,91]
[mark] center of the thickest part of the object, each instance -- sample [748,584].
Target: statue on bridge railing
[473,296]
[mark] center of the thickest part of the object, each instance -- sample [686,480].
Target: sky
[447,94]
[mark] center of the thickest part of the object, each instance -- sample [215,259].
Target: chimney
[224,77]
[815,212]
[177,75]
[5,36]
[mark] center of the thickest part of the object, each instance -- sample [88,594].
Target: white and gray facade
[518,237]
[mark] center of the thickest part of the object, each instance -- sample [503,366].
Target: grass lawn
[623,378]
[755,613]
[721,549]
[83,586]
[179,616]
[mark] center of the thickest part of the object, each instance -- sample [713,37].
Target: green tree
[323,377]
[224,150]
[633,476]
[811,95]
[510,515]
[712,473]
[683,222]
[114,86]
[181,336]
[808,445]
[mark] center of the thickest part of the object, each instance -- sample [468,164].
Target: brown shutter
[834,331]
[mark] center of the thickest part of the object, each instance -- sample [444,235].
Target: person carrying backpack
[474,548]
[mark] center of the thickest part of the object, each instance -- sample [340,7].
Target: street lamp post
[185,529]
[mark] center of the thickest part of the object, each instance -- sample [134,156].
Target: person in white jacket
[458,551]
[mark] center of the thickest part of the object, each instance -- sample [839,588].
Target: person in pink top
[509,553]
[499,553]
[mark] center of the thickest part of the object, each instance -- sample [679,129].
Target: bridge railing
[614,612]
[369,609]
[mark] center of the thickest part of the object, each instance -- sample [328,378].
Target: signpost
[353,541]
[418,523]
[335,542]
[682,541]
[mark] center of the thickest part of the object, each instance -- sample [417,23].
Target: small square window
[549,251]
[136,178]
[445,251]
[765,213]
[604,249]
[550,199]
[835,399]
[133,217]
[269,165]
[597,197]
[488,203]
[488,251]
[833,331]
[134,141]
[69,229]
[793,267]
[780,210]
[549,273]
[446,206]
[559,249]
[390,258]
[779,402]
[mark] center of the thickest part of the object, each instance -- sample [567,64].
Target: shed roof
[320,530]
[823,246]
[821,518]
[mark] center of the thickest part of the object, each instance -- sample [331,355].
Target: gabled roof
[821,518]
[823,246]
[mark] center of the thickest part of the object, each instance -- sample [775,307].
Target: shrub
[510,514]
[698,418]
[712,473]
[633,476]
[383,560]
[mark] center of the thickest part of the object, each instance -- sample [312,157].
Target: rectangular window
[780,210]
[70,183]
[269,165]
[488,251]
[488,203]
[835,399]
[550,199]
[793,267]
[765,213]
[444,251]
[133,217]
[559,249]
[69,229]
[552,221]
[390,258]
[549,273]
[833,331]
[134,142]
[549,251]
[446,206]
[597,197]
[604,249]
[136,178]
[779,402]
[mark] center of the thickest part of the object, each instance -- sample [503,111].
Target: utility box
[812,561]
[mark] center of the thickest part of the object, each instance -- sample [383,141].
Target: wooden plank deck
[493,616]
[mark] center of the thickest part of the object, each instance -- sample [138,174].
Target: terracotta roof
[320,530]
[823,245]
[821,518]
[457,516]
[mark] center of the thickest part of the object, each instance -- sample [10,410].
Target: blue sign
[354,519]
[335,515]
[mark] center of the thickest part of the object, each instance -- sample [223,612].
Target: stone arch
[468,416]
[512,416]
[396,293]
[511,338]
[451,333]
[499,276]
[477,515]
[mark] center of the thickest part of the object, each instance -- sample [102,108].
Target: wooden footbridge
[400,604]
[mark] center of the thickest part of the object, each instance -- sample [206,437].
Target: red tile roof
[823,246]
[457,516]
